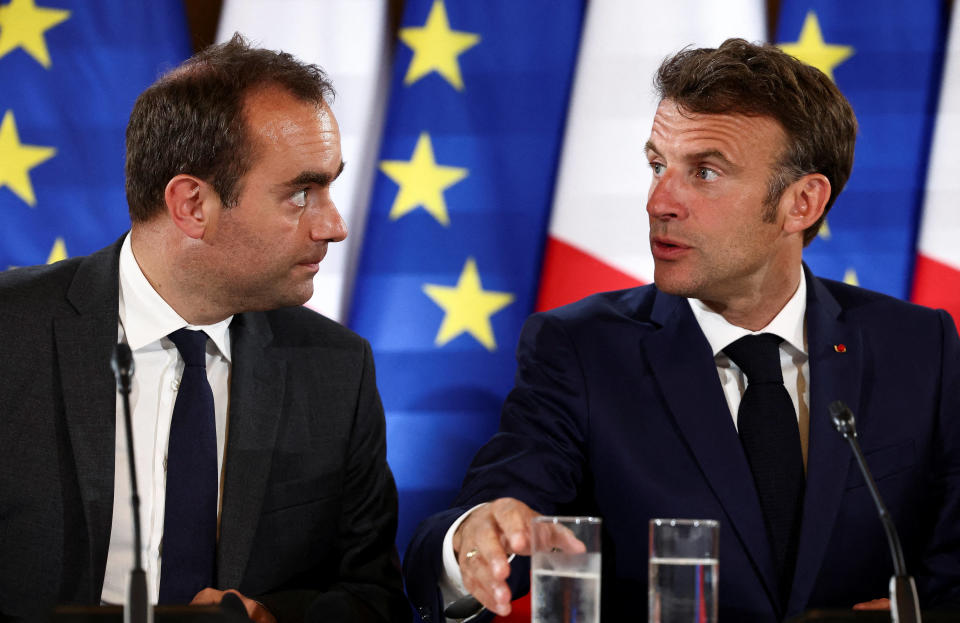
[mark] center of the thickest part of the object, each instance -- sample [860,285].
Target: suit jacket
[309,506]
[618,412]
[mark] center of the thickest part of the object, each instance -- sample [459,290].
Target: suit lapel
[256,400]
[835,374]
[84,346]
[683,364]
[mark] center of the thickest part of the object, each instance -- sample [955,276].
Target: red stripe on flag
[936,284]
[569,274]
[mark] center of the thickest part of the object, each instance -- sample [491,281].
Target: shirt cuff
[451,582]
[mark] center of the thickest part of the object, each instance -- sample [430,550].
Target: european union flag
[885,57]
[455,231]
[70,72]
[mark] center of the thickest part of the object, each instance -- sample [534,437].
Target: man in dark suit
[230,158]
[639,404]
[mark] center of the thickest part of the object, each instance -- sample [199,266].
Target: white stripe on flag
[940,229]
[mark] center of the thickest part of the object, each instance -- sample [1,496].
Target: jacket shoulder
[862,304]
[304,327]
[631,306]
[36,289]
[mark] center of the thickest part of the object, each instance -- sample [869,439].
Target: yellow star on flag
[850,277]
[436,47]
[23,24]
[813,50]
[422,182]
[467,307]
[58,252]
[16,160]
[824,230]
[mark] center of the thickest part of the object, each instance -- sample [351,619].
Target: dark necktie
[190,509]
[767,424]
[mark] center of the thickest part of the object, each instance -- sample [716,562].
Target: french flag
[937,272]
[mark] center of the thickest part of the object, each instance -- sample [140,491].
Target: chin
[670,282]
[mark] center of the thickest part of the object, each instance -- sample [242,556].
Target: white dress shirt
[794,361]
[145,320]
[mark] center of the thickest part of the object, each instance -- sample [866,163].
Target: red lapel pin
[840,348]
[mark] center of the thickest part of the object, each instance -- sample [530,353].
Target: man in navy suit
[627,405]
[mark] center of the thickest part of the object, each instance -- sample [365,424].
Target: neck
[162,257]
[756,308]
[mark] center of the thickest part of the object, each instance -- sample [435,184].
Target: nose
[328,225]
[663,200]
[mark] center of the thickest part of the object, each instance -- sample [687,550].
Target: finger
[873,604]
[260,614]
[482,540]
[513,518]
[207,597]
[481,582]
[255,610]
[564,539]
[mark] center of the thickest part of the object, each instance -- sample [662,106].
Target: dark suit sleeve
[938,578]
[369,586]
[537,456]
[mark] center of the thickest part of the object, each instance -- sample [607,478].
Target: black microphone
[137,609]
[904,605]
[231,603]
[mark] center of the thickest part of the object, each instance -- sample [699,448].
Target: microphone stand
[904,604]
[137,609]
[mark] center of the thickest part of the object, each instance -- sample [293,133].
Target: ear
[191,204]
[806,199]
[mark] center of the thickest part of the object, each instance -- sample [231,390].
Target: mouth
[313,263]
[664,248]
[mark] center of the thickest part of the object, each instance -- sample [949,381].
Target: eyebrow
[315,177]
[697,156]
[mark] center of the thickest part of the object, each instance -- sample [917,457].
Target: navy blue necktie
[190,510]
[767,424]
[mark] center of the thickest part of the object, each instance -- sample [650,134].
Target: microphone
[137,609]
[231,603]
[904,604]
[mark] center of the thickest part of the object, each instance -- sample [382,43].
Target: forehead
[738,137]
[279,120]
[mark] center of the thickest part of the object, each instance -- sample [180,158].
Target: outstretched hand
[488,536]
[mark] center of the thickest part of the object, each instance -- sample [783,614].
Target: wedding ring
[471,553]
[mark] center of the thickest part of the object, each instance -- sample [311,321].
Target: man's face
[264,251]
[711,234]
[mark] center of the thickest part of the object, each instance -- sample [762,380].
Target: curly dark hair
[191,120]
[749,79]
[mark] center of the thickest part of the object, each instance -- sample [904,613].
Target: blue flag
[70,72]
[885,57]
[456,226]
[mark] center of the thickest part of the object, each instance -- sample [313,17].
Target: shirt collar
[787,324]
[146,317]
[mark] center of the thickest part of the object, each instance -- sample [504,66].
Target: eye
[299,198]
[707,174]
[657,168]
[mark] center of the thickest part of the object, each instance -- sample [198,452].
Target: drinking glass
[683,570]
[565,570]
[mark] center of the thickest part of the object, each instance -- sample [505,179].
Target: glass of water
[683,570]
[565,570]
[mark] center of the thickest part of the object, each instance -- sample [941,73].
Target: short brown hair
[761,80]
[191,120]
